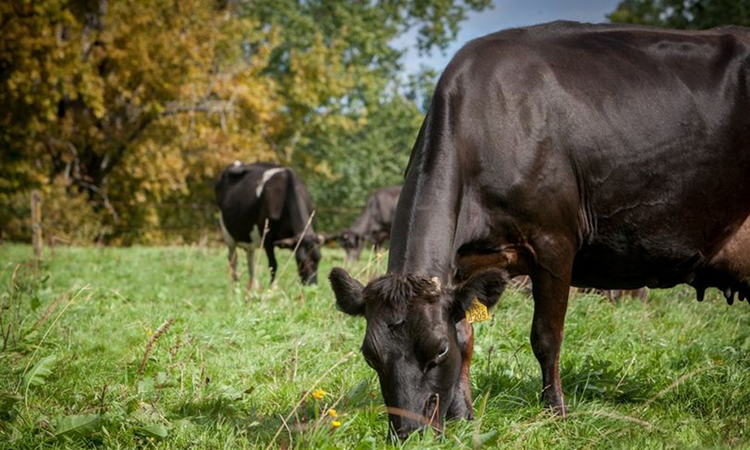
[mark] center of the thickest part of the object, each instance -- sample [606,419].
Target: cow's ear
[348,292]
[486,286]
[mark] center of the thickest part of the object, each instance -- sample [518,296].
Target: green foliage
[681,14]
[125,103]
[126,111]
[156,431]
[670,373]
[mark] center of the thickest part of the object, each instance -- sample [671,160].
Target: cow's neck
[422,238]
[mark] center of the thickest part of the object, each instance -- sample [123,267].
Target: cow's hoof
[555,404]
[559,410]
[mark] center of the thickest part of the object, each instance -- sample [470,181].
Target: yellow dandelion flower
[318,393]
[332,412]
[336,424]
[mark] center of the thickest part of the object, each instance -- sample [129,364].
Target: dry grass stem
[46,333]
[307,394]
[299,241]
[676,383]
[376,259]
[157,334]
[257,257]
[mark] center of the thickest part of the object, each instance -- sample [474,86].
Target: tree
[122,110]
[125,102]
[351,120]
[683,14]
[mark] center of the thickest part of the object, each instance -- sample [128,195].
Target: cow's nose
[403,434]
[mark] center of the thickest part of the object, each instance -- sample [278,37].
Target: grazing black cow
[605,156]
[373,224]
[252,196]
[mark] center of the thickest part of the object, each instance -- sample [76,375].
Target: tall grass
[155,347]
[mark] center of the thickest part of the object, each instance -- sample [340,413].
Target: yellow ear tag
[477,312]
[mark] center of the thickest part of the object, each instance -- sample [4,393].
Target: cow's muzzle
[404,423]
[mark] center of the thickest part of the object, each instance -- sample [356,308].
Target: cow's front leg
[272,264]
[551,285]
[461,406]
[232,257]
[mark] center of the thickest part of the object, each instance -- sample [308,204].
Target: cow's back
[634,140]
[237,197]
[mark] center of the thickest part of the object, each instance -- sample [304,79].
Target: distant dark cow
[615,295]
[604,156]
[253,195]
[373,224]
[523,284]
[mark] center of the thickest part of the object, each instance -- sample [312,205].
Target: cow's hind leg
[551,285]
[249,247]
[232,245]
[252,282]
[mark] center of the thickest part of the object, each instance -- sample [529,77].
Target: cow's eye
[443,352]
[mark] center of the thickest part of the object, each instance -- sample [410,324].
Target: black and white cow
[373,224]
[267,202]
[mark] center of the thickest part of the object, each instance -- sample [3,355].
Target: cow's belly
[604,267]
[656,246]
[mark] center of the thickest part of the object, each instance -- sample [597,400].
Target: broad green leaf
[7,402]
[488,438]
[146,386]
[229,392]
[359,393]
[156,430]
[161,379]
[367,443]
[38,374]
[78,426]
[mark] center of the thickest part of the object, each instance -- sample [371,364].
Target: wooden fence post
[36,225]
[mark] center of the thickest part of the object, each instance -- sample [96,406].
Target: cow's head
[307,256]
[352,243]
[411,339]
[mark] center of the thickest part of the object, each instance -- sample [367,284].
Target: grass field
[155,348]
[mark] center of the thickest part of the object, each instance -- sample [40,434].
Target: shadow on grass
[239,415]
[587,379]
[232,409]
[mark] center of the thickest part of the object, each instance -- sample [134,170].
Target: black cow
[373,224]
[601,156]
[253,196]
